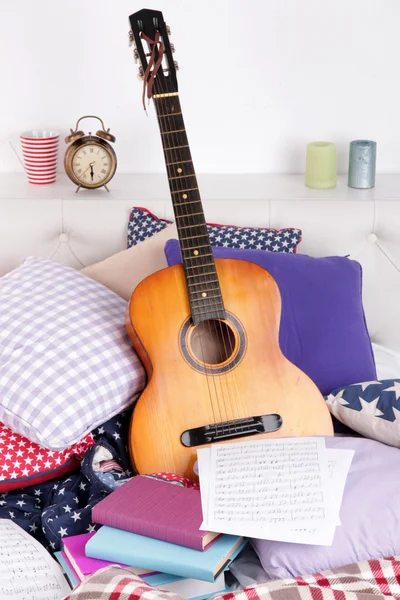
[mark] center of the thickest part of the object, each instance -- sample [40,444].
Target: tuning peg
[131,39]
[172,47]
[176,65]
[168,28]
[135,55]
[140,74]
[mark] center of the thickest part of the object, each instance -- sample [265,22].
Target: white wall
[258,78]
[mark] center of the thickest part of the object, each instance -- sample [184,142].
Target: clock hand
[90,166]
[91,170]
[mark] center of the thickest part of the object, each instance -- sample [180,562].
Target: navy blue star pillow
[371,408]
[143,224]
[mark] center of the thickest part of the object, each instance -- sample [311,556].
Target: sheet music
[339,462]
[27,570]
[203,465]
[273,489]
[269,482]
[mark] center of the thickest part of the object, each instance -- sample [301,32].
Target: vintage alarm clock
[90,161]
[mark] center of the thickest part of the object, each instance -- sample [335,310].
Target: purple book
[156,509]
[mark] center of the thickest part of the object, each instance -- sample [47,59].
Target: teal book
[192,589]
[129,548]
[68,572]
[226,589]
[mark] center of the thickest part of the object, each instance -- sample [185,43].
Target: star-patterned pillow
[371,409]
[24,463]
[143,224]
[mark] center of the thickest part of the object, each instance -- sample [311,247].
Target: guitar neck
[198,262]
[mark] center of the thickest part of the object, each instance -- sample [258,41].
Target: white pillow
[123,271]
[387,362]
[66,362]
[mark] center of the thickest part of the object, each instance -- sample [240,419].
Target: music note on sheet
[27,570]
[322,534]
[266,484]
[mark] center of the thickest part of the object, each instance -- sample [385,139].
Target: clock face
[92,164]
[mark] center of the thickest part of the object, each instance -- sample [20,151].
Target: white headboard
[79,229]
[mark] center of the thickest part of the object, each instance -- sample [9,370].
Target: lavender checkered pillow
[66,362]
[143,224]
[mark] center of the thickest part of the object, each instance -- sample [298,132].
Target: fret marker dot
[184,196]
[179,170]
[196,252]
[204,294]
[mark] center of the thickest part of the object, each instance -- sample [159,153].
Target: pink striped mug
[40,152]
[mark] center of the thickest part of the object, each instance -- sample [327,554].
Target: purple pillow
[369,515]
[323,329]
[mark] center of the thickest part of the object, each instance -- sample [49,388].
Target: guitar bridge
[230,430]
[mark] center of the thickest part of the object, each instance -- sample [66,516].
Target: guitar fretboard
[198,262]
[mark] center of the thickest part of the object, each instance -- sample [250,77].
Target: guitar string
[231,372]
[166,110]
[153,61]
[218,381]
[187,217]
[176,157]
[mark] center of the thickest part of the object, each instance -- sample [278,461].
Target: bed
[78,230]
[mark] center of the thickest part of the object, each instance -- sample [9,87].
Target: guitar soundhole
[213,346]
[212,342]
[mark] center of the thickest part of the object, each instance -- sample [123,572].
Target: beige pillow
[123,271]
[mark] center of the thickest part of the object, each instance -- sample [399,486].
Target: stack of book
[154,526]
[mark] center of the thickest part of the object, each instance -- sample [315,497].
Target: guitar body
[219,371]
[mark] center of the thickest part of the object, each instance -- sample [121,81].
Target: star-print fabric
[371,409]
[24,463]
[62,507]
[143,224]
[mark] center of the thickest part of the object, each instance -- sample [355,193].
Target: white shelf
[150,187]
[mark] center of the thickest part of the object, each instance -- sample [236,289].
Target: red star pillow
[24,463]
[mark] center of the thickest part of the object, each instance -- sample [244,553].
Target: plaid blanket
[367,580]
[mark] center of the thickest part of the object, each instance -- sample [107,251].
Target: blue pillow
[371,408]
[322,329]
[143,224]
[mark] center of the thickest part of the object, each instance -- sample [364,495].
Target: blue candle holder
[362,164]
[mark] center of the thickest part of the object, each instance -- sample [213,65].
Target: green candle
[321,165]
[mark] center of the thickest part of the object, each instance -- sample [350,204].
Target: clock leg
[106,188]
[77,189]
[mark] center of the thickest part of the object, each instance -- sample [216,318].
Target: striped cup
[40,151]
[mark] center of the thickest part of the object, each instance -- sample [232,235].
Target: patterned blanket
[367,580]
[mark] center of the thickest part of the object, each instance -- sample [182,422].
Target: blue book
[192,589]
[68,572]
[129,548]
[226,589]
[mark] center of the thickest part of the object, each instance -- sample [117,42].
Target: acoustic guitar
[206,330]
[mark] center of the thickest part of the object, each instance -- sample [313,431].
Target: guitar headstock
[149,34]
